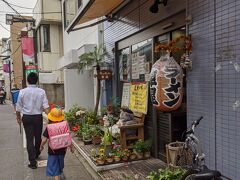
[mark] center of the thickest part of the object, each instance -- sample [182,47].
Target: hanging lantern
[166,84]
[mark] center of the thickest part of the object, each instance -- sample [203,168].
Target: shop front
[134,56]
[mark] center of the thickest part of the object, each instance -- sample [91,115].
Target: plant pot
[125,158]
[80,138]
[147,154]
[139,155]
[117,159]
[100,161]
[96,140]
[87,140]
[133,156]
[109,160]
[101,122]
[173,150]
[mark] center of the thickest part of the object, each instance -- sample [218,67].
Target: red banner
[28,50]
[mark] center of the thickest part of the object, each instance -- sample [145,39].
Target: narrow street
[13,163]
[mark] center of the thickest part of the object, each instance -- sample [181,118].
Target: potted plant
[109,159]
[139,148]
[79,134]
[87,135]
[132,156]
[94,154]
[146,149]
[100,160]
[96,135]
[125,154]
[117,153]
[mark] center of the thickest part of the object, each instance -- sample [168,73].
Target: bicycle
[197,170]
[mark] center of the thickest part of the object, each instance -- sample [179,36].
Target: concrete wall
[79,89]
[48,61]
[76,39]
[45,6]
[213,85]
[17,56]
[55,93]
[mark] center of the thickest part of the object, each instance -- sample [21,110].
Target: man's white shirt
[32,100]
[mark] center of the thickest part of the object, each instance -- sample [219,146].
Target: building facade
[16,56]
[79,87]
[48,24]
[212,87]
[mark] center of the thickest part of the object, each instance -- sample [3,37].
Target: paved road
[13,157]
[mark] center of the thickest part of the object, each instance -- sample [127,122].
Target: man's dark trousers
[33,125]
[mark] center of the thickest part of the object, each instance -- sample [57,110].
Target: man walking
[32,101]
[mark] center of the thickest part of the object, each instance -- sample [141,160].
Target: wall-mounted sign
[28,50]
[139,97]
[125,95]
[29,69]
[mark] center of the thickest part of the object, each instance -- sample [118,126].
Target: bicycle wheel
[188,174]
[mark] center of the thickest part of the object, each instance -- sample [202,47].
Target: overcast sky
[5,9]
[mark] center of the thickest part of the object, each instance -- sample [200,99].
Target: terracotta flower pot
[96,140]
[109,159]
[117,159]
[124,158]
[147,155]
[139,155]
[133,156]
[100,161]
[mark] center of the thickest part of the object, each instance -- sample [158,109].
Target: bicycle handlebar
[196,122]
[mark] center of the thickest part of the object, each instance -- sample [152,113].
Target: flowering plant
[117,151]
[126,152]
[76,128]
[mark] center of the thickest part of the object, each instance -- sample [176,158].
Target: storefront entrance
[162,128]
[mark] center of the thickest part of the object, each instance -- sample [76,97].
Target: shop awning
[92,9]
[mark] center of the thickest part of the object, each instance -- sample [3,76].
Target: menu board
[138,97]
[125,95]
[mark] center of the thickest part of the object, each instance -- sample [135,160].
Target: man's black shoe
[32,166]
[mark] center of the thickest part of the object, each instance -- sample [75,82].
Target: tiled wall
[214,83]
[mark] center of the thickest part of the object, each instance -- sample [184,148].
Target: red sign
[28,50]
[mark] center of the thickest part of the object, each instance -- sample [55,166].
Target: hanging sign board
[139,97]
[125,95]
[166,84]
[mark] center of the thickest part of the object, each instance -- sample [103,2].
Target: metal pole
[10,76]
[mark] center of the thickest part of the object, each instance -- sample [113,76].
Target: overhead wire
[13,8]
[19,6]
[7,29]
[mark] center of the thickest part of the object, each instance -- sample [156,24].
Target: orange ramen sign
[166,84]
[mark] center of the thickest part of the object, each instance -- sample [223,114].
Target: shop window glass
[70,8]
[141,58]
[124,65]
[45,38]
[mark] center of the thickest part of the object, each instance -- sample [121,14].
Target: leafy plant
[147,145]
[91,118]
[116,151]
[139,146]
[96,131]
[107,138]
[95,60]
[70,116]
[86,132]
[166,174]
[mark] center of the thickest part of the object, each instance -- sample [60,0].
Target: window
[45,38]
[70,8]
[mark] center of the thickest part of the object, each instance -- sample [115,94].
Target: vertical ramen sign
[166,84]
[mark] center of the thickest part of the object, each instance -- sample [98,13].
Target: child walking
[56,152]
